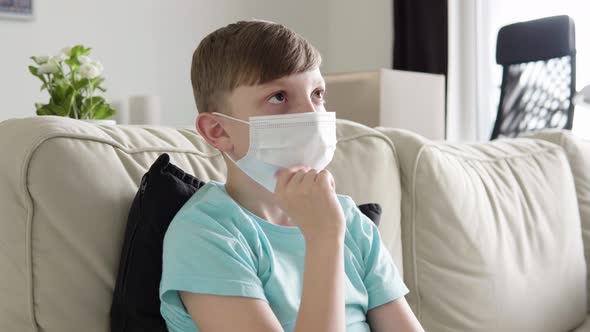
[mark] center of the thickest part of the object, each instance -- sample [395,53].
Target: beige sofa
[489,236]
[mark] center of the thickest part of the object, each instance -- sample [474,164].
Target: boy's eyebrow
[320,82]
[280,84]
[272,84]
[269,87]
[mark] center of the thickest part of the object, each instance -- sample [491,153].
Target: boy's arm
[226,313]
[389,311]
[393,316]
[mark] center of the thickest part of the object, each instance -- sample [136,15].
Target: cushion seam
[413,232]
[516,156]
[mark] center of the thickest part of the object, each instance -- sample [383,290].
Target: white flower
[66,51]
[58,58]
[48,68]
[84,59]
[98,65]
[62,55]
[42,59]
[89,71]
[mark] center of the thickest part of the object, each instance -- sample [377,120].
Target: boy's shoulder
[348,207]
[358,226]
[211,208]
[345,201]
[355,219]
[197,204]
[210,193]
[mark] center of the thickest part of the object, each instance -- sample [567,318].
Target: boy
[274,248]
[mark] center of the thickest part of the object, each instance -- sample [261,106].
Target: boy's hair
[247,53]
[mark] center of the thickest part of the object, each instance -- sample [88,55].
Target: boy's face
[297,93]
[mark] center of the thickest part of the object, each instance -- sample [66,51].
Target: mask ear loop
[231,117]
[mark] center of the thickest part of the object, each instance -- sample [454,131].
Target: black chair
[538,76]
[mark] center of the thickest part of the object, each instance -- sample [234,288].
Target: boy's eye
[277,98]
[319,94]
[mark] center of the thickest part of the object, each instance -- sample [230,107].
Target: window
[504,12]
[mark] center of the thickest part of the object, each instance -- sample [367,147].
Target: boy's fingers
[281,176]
[284,175]
[310,177]
[298,177]
[325,177]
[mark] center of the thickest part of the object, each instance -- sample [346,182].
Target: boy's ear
[213,132]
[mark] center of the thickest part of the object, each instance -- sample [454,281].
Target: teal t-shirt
[215,246]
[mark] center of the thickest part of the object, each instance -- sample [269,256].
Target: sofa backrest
[65,190]
[578,154]
[491,235]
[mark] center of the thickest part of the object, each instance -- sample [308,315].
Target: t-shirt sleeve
[381,276]
[203,256]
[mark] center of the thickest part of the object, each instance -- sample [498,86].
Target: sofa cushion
[491,235]
[65,191]
[578,154]
[585,327]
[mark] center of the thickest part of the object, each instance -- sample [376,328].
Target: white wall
[146,46]
[360,35]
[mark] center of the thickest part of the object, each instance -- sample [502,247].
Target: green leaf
[96,81]
[90,105]
[57,109]
[103,112]
[81,83]
[34,70]
[56,99]
[86,51]
[44,109]
[70,99]
[78,101]
[76,51]
[72,62]
[60,87]
[79,50]
[96,100]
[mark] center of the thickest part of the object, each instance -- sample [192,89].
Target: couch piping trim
[413,232]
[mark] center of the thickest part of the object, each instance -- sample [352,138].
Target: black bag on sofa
[163,191]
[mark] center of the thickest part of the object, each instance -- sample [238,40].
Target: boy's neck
[254,197]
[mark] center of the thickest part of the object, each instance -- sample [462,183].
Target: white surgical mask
[287,140]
